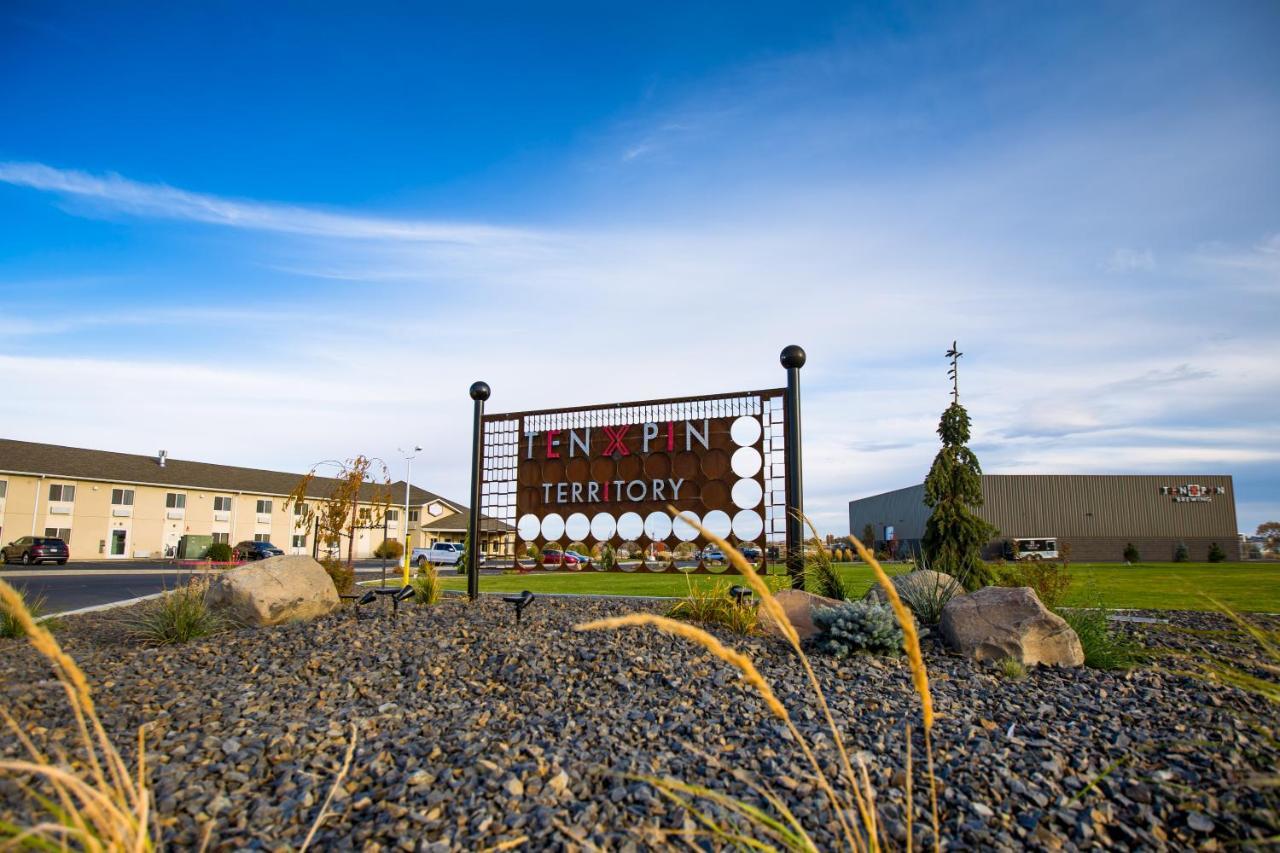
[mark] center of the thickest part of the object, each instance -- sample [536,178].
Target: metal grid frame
[501,433]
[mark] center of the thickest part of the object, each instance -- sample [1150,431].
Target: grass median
[1247,587]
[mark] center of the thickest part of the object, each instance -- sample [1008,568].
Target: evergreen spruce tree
[954,535]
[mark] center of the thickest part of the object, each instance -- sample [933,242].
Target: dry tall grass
[101,806]
[91,801]
[850,792]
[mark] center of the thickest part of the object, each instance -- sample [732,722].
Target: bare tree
[349,506]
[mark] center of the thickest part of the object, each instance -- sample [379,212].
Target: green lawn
[1158,586]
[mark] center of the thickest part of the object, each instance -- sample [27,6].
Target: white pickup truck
[440,554]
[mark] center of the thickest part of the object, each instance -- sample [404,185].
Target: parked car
[36,549]
[712,554]
[556,558]
[750,552]
[439,554]
[255,551]
[582,558]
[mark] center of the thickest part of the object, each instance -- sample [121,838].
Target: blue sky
[271,236]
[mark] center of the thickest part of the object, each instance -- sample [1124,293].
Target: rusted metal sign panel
[591,476]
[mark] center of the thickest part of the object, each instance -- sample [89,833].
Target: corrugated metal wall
[903,509]
[1097,513]
[1105,505]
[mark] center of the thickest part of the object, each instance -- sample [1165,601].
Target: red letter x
[616,434]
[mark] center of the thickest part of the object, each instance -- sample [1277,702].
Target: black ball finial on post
[793,358]
[479,393]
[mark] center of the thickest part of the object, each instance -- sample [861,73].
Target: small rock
[1199,822]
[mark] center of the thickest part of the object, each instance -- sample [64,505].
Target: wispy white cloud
[157,200]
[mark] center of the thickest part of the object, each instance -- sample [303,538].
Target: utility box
[194,547]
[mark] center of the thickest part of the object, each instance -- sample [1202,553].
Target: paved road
[72,587]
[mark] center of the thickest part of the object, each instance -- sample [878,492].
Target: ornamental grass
[89,799]
[849,792]
[713,605]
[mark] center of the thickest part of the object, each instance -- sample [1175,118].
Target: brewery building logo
[1192,493]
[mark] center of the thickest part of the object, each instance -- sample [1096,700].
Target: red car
[555,558]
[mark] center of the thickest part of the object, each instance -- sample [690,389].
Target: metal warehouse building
[1096,514]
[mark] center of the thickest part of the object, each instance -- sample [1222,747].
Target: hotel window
[393,515]
[63,533]
[224,538]
[264,508]
[298,508]
[365,513]
[299,541]
[4,487]
[261,537]
[66,494]
[222,504]
[175,501]
[122,497]
[414,515]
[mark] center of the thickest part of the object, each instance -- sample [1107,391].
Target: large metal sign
[606,475]
[604,478]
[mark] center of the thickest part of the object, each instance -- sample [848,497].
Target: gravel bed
[472,732]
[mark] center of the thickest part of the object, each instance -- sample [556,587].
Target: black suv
[36,549]
[255,551]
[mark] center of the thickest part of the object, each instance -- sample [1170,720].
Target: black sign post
[479,393]
[793,359]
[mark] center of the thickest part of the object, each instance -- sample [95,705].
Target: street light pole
[408,474]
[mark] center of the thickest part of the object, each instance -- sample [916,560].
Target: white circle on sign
[577,526]
[603,527]
[745,431]
[746,494]
[552,526]
[630,525]
[718,522]
[681,527]
[529,527]
[746,462]
[657,526]
[747,525]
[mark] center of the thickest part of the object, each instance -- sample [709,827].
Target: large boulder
[275,590]
[799,606]
[922,582]
[997,622]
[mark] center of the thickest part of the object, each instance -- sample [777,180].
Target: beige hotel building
[124,506]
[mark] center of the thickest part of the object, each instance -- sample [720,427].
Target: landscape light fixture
[405,593]
[519,602]
[368,598]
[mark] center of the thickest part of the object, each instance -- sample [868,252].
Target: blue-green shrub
[857,626]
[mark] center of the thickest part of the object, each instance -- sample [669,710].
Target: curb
[111,605]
